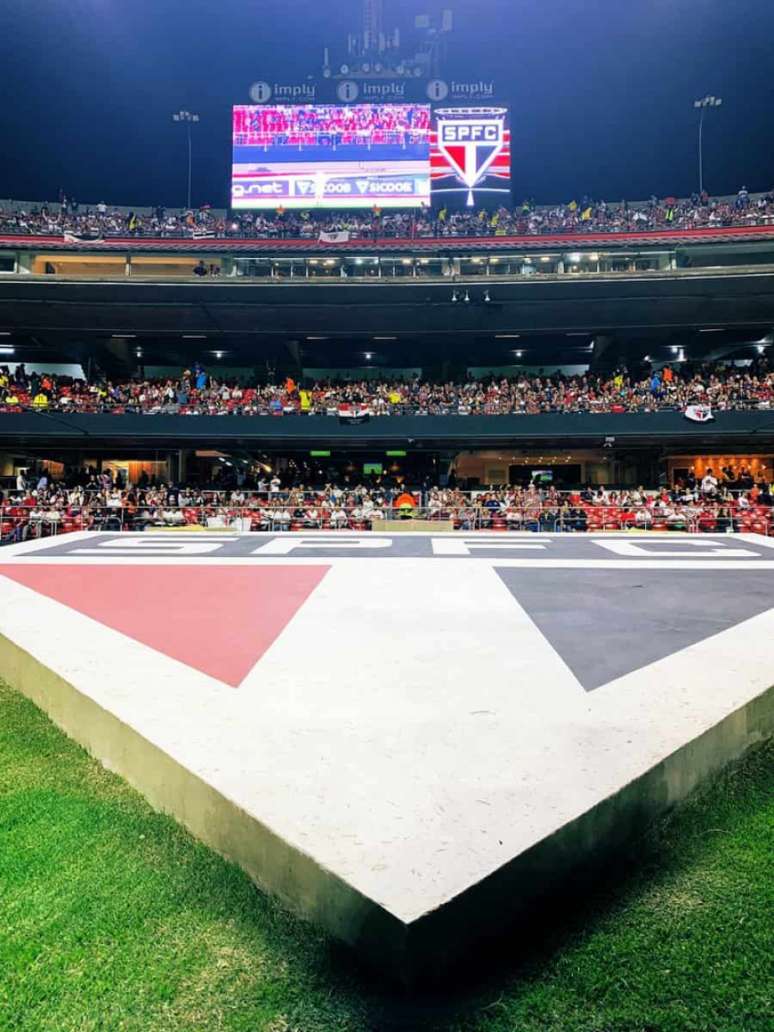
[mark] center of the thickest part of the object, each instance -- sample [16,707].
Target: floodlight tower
[702,104]
[187,118]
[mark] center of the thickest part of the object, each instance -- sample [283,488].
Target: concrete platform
[408,739]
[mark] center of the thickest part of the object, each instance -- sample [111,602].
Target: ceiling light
[507,336]
[385,338]
[194,336]
[714,329]
[5,333]
[123,336]
[6,349]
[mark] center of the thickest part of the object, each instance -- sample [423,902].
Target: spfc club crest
[473,142]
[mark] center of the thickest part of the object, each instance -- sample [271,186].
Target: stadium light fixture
[368,356]
[455,297]
[7,349]
[702,104]
[187,118]
[507,336]
[5,333]
[487,298]
[466,298]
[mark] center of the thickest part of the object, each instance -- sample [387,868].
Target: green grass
[112,918]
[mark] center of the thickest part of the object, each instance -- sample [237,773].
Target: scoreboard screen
[331,156]
[471,151]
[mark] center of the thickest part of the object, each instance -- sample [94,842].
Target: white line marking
[463,546]
[635,548]
[103,558]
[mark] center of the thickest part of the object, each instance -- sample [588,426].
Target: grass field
[112,918]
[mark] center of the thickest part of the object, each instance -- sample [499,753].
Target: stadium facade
[440,308]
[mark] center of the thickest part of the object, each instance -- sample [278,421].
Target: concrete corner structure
[408,739]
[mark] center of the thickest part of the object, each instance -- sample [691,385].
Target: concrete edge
[299,882]
[425,949]
[585,846]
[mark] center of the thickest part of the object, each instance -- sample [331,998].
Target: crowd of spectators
[731,500]
[195,392]
[583,215]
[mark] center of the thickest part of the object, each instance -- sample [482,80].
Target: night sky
[601,91]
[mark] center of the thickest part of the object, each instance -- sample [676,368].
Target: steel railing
[20,523]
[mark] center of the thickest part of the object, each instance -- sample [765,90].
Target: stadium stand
[581,216]
[731,501]
[196,393]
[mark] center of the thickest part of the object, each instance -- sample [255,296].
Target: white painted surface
[411,728]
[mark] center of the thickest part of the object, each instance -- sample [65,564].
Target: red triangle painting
[456,156]
[218,619]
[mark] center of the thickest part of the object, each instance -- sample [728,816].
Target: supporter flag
[354,413]
[82,238]
[203,234]
[699,413]
[586,214]
[339,237]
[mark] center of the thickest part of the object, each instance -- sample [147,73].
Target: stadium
[386,559]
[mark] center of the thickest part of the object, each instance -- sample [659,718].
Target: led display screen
[471,151]
[331,156]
